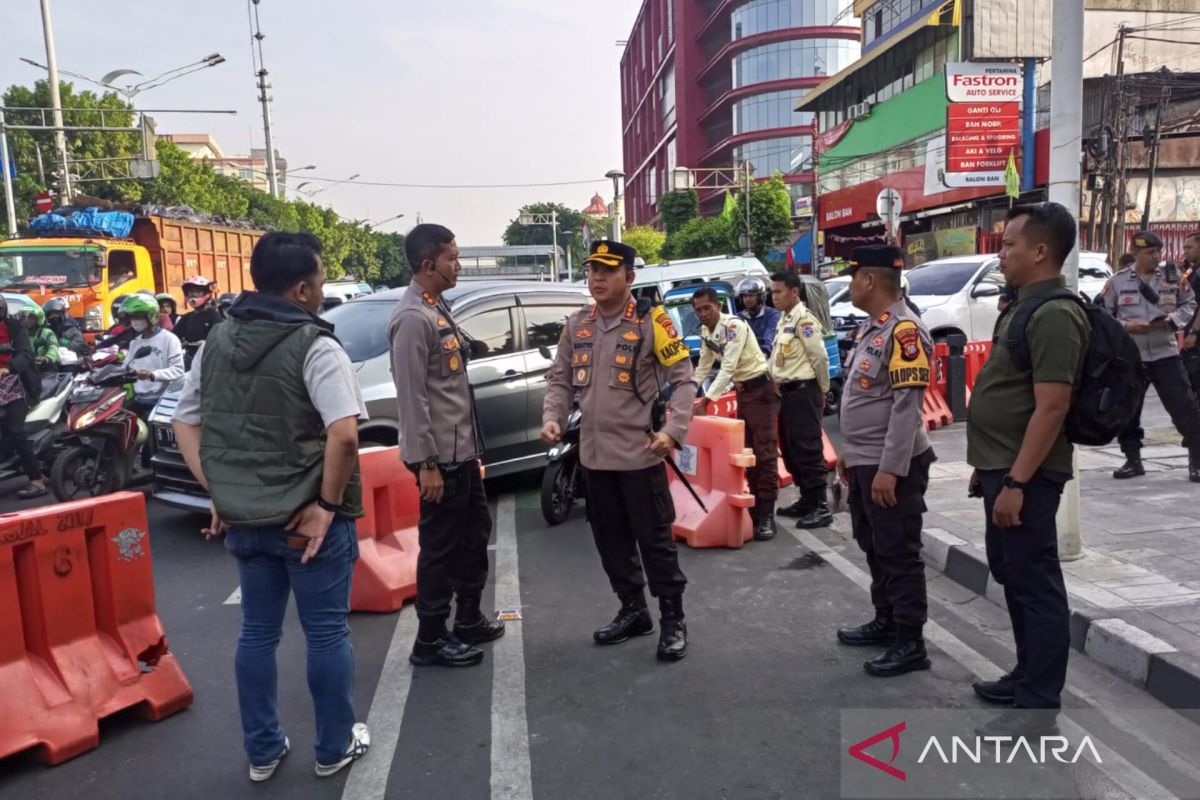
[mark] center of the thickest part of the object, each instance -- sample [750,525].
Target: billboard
[983,122]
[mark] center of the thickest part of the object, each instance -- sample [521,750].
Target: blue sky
[450,92]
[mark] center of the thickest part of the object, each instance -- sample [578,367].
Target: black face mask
[56,323]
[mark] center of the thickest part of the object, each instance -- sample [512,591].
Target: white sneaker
[359,742]
[260,774]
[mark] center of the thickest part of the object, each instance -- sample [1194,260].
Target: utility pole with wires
[60,137]
[1163,99]
[263,96]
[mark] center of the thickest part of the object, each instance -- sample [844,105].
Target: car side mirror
[545,352]
[986,290]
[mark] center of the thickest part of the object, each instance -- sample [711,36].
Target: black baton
[679,474]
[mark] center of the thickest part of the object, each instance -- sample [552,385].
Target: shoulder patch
[909,364]
[807,330]
[669,349]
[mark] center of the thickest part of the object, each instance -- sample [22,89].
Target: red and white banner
[983,122]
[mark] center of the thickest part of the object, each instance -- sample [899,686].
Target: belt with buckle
[792,386]
[753,383]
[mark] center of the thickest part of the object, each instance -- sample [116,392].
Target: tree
[704,236]
[647,240]
[570,228]
[394,269]
[677,208]
[770,214]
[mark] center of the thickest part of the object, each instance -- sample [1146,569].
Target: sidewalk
[1135,594]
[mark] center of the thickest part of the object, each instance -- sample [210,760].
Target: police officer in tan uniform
[1154,303]
[728,343]
[616,355]
[800,368]
[440,443]
[886,457]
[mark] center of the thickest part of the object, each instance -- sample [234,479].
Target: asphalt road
[754,711]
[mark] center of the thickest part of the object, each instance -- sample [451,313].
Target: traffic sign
[888,206]
[44,203]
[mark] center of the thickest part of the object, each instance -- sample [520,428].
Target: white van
[695,271]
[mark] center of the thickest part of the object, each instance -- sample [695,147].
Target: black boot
[672,641]
[764,523]
[754,515]
[1001,691]
[1194,468]
[798,508]
[907,654]
[471,626]
[436,648]
[819,517]
[1132,468]
[632,620]
[880,630]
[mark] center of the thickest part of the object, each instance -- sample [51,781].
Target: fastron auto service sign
[983,122]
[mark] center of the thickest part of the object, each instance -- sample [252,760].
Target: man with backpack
[1153,303]
[1017,443]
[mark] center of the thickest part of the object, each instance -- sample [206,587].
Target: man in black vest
[285,489]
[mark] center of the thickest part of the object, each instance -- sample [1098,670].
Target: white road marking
[511,774]
[234,599]
[1116,767]
[369,775]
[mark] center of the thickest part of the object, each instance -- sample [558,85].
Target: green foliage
[570,230]
[770,214]
[677,208]
[647,240]
[393,265]
[703,236]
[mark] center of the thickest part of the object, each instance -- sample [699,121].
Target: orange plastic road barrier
[976,355]
[726,406]
[79,636]
[386,573]
[935,412]
[714,458]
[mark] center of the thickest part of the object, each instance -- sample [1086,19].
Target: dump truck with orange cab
[90,268]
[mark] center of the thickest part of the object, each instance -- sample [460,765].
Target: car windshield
[362,328]
[73,267]
[941,279]
[684,317]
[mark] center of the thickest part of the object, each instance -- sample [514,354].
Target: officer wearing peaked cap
[1154,303]
[886,457]
[615,355]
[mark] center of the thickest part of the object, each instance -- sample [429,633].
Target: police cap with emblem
[1144,239]
[883,256]
[611,254]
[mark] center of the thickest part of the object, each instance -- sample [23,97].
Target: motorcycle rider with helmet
[762,319]
[162,365]
[41,338]
[58,319]
[193,327]
[224,302]
[166,305]
[20,389]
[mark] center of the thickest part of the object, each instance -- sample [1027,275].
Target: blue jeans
[268,565]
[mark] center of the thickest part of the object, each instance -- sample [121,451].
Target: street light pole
[616,176]
[265,99]
[60,137]
[554,240]
[10,207]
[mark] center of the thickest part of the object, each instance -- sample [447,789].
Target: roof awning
[809,101]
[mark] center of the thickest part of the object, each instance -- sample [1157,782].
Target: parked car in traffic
[958,294]
[659,279]
[505,322]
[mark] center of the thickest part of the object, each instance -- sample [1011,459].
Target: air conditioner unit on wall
[859,110]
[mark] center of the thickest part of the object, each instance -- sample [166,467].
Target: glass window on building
[761,16]
[769,110]
[786,155]
[667,93]
[652,185]
[670,21]
[802,58]
[672,157]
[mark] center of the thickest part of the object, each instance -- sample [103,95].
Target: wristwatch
[1012,483]
[326,505]
[429,463]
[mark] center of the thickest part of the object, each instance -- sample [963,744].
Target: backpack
[1112,379]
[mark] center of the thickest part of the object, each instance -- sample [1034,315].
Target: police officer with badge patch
[886,457]
[1154,303]
[440,443]
[728,343]
[616,355]
[800,368]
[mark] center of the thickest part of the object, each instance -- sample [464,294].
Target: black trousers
[1024,560]
[800,412]
[631,515]
[1170,380]
[758,408]
[891,539]
[12,434]
[1191,363]
[454,538]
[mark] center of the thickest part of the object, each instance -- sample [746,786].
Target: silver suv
[506,323]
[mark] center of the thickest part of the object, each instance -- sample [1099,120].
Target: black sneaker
[819,517]
[1194,469]
[1132,468]
[631,620]
[360,740]
[880,630]
[1001,691]
[905,655]
[448,652]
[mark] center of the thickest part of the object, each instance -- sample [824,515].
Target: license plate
[164,436]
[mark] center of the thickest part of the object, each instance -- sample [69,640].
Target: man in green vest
[268,423]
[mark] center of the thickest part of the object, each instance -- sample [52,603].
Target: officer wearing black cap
[885,458]
[1154,303]
[615,355]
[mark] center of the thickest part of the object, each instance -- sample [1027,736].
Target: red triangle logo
[858,750]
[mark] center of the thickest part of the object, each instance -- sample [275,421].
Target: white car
[958,294]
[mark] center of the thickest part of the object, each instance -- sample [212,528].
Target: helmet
[34,311]
[751,284]
[116,305]
[226,300]
[56,305]
[140,304]
[204,285]
[165,297]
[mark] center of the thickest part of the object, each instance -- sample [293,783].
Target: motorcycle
[562,481]
[103,437]
[43,422]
